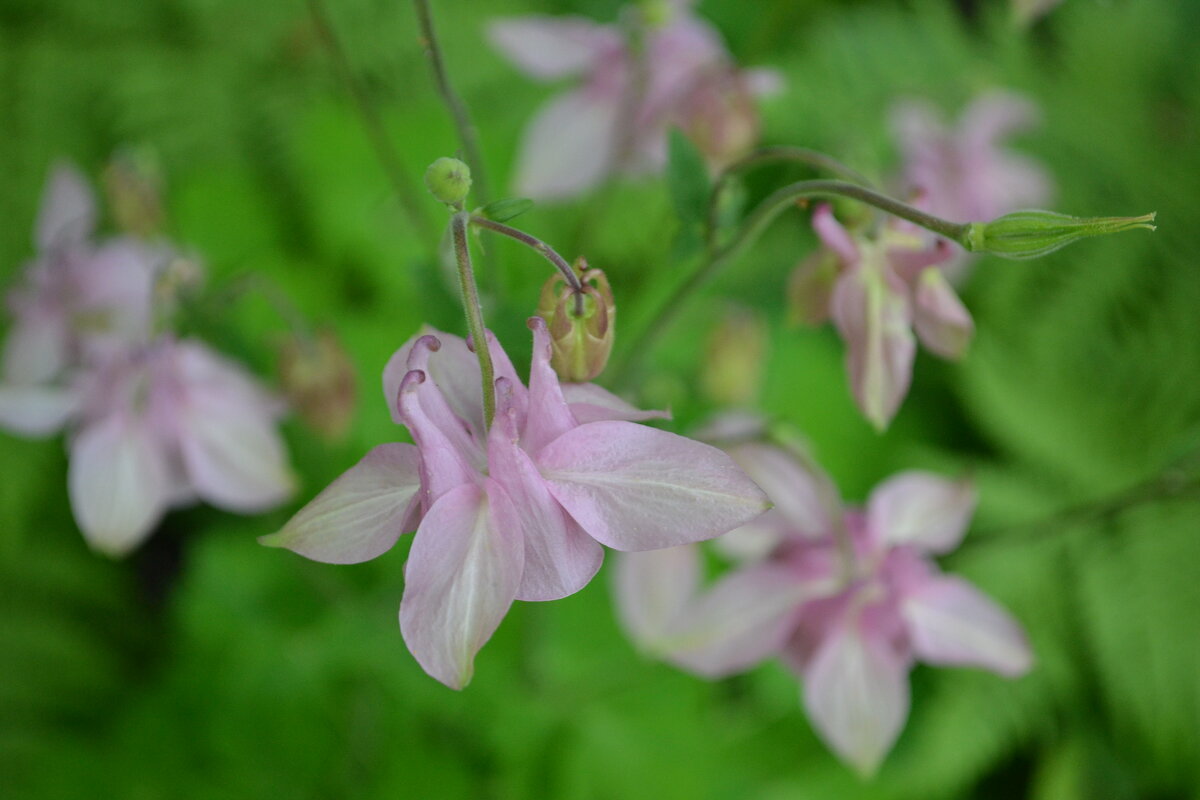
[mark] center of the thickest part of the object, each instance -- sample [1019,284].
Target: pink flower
[79,302]
[162,426]
[963,173]
[618,118]
[848,598]
[877,291]
[515,513]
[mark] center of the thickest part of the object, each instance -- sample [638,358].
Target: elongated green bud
[1030,234]
[449,180]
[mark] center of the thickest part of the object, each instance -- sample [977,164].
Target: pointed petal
[592,403]
[117,484]
[552,47]
[941,320]
[652,588]
[637,488]
[856,693]
[954,624]
[872,316]
[36,410]
[361,514]
[834,236]
[921,509]
[461,577]
[549,416]
[568,145]
[745,618]
[560,559]
[68,212]
[801,491]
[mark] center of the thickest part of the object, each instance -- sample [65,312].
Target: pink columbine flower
[963,173]
[162,426]
[79,302]
[515,513]
[877,291]
[848,598]
[618,117]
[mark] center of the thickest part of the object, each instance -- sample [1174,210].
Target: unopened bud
[1030,234]
[133,182]
[449,180]
[581,323]
[318,379]
[736,351]
[719,115]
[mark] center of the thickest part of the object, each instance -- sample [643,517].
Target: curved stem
[470,298]
[541,248]
[758,220]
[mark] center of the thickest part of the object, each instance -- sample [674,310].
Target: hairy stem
[757,222]
[470,299]
[393,168]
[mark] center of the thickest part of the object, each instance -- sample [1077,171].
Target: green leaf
[687,179]
[505,208]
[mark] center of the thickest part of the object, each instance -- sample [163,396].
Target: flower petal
[941,320]
[361,514]
[549,417]
[552,47]
[872,315]
[921,509]
[834,236]
[637,488]
[68,212]
[568,146]
[801,491]
[36,410]
[117,481]
[36,348]
[745,618]
[857,696]
[952,623]
[652,588]
[462,575]
[592,403]
[560,559]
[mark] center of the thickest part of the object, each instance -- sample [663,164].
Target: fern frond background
[207,666]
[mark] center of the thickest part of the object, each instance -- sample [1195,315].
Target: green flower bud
[449,180]
[735,356]
[581,342]
[319,380]
[1030,234]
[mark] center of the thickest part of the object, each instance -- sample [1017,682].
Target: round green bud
[449,180]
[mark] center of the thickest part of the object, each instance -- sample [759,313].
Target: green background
[208,666]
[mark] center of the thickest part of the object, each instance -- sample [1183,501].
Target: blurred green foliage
[206,666]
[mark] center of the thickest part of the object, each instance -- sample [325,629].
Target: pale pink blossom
[166,425]
[517,512]
[878,289]
[848,598]
[963,172]
[628,96]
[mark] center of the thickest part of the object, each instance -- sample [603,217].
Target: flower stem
[393,168]
[470,299]
[542,249]
[756,223]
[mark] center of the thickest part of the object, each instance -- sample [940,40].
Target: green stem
[758,220]
[470,299]
[541,248]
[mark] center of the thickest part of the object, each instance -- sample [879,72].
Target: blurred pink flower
[515,513]
[165,425]
[848,598]
[877,290]
[679,74]
[963,173]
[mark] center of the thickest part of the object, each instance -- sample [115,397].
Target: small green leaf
[687,179]
[506,208]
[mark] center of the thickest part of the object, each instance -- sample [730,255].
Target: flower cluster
[847,597]
[153,421]
[679,73]
[517,511]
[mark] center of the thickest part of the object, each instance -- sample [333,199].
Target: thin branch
[475,324]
